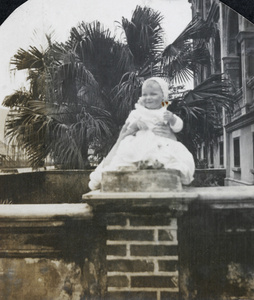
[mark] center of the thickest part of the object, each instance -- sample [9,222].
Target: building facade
[232,53]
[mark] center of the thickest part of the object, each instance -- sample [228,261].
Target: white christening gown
[148,147]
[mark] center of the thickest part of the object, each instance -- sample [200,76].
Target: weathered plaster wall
[197,244]
[60,186]
[51,252]
[32,278]
[67,186]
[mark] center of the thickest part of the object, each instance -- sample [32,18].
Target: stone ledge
[237,169]
[38,212]
[142,289]
[31,253]
[43,230]
[217,197]
[187,193]
[129,202]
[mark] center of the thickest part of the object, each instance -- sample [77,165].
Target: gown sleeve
[132,118]
[178,126]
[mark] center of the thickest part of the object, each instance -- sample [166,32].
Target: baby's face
[152,95]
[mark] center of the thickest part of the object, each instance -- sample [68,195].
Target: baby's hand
[141,125]
[133,128]
[168,117]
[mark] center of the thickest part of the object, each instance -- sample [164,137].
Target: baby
[140,140]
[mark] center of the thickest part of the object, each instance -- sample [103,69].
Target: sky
[29,23]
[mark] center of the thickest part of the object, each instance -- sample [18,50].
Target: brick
[169,295]
[152,281]
[153,250]
[119,220]
[129,266]
[168,265]
[167,235]
[131,296]
[117,281]
[130,235]
[151,220]
[116,250]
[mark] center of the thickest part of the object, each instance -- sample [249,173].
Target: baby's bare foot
[157,165]
[143,164]
[127,168]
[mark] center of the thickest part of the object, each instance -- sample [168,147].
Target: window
[211,155]
[236,152]
[234,48]
[233,29]
[251,64]
[204,152]
[217,54]
[253,147]
[221,153]
[199,153]
[240,65]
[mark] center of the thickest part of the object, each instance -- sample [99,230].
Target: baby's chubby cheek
[141,100]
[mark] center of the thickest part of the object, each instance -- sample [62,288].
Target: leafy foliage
[183,56]
[54,118]
[144,35]
[201,108]
[82,91]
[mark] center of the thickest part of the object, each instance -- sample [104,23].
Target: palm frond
[126,94]
[144,34]
[101,54]
[180,63]
[197,29]
[28,59]
[215,89]
[60,53]
[189,51]
[28,127]
[19,98]
[201,110]
[43,128]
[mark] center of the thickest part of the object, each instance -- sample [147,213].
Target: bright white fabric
[151,117]
[146,146]
[163,85]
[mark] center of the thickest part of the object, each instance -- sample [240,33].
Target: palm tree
[51,118]
[82,91]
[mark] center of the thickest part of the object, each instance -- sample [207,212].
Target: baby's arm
[175,123]
[130,128]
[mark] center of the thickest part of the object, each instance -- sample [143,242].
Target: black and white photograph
[127,150]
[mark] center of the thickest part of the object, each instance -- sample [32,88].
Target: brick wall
[142,257]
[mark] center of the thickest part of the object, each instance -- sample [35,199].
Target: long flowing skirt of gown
[147,147]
